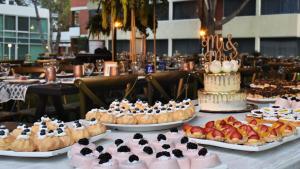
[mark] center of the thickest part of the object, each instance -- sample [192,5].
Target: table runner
[10,91]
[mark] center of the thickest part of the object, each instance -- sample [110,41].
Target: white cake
[222,82]
[222,101]
[221,78]
[222,92]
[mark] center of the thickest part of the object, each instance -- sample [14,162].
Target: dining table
[54,92]
[286,156]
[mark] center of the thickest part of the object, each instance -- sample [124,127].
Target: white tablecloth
[286,156]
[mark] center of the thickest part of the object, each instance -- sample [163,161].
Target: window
[10,23]
[23,24]
[280,6]
[44,25]
[35,50]
[12,50]
[75,18]
[22,51]
[245,45]
[185,10]
[33,25]
[280,46]
[1,23]
[232,5]
[161,46]
[187,46]
[162,11]
[122,45]
[1,50]
[11,2]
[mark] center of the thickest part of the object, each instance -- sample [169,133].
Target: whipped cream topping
[22,126]
[44,119]
[109,163]
[51,134]
[91,123]
[61,134]
[163,158]
[93,111]
[24,137]
[271,118]
[37,123]
[41,137]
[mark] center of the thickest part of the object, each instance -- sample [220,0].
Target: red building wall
[83,15]
[83,21]
[78,3]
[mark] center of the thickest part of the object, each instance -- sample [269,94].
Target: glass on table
[100,66]
[5,69]
[88,68]
[56,65]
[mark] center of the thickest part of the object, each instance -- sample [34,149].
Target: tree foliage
[60,7]
[118,10]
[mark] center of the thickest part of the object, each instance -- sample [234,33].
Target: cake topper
[216,59]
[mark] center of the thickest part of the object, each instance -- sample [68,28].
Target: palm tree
[135,15]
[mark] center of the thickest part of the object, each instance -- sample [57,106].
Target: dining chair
[167,86]
[97,91]
[30,70]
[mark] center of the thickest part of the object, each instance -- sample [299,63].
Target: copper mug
[78,71]
[191,65]
[185,66]
[50,74]
[114,71]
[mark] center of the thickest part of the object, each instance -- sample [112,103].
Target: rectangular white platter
[264,147]
[49,153]
[148,127]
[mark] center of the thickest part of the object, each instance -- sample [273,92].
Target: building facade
[19,33]
[267,26]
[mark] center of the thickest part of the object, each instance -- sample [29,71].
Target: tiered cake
[221,79]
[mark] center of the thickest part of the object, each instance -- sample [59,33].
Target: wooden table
[55,92]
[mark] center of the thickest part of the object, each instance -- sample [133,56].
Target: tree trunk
[206,13]
[132,39]
[234,13]
[39,24]
[51,31]
[154,34]
[57,42]
[144,46]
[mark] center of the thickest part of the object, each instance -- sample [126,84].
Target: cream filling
[91,123]
[163,158]
[25,137]
[61,134]
[272,118]
[41,137]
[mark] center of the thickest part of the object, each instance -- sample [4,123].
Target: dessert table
[286,156]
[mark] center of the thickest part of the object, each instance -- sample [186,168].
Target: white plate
[28,81]
[7,77]
[147,127]
[246,147]
[50,153]
[67,80]
[65,75]
[264,100]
